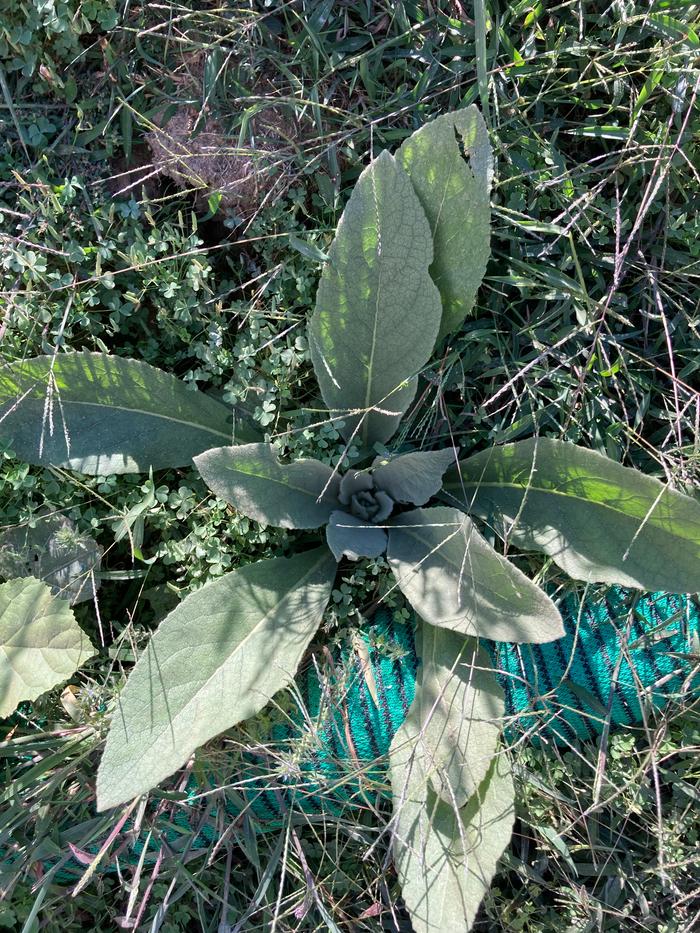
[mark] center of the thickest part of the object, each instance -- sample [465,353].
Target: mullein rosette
[401,275]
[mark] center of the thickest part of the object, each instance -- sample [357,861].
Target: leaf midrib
[281,482]
[151,414]
[370,365]
[513,573]
[263,619]
[409,530]
[647,519]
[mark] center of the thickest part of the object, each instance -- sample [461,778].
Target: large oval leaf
[287,495]
[215,660]
[102,414]
[446,857]
[450,164]
[453,578]
[41,644]
[457,712]
[377,309]
[598,520]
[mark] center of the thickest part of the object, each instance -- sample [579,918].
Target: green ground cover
[170,179]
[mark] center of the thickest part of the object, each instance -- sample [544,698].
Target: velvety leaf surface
[53,551]
[446,857]
[354,482]
[377,309]
[457,712]
[215,660]
[102,414]
[454,578]
[41,644]
[598,520]
[287,495]
[354,537]
[450,164]
[413,478]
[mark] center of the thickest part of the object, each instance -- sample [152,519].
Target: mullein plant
[401,275]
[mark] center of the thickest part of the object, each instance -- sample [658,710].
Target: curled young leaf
[354,537]
[215,660]
[363,498]
[601,522]
[454,578]
[288,495]
[41,644]
[377,310]
[102,414]
[450,164]
[354,482]
[412,478]
[446,856]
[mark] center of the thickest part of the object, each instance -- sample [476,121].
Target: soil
[206,160]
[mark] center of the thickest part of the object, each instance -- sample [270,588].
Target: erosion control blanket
[622,656]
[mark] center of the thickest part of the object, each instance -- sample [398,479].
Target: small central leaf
[287,495]
[413,478]
[363,499]
[351,536]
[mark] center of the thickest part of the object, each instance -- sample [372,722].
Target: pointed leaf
[41,644]
[412,478]
[287,495]
[457,713]
[53,551]
[215,660]
[377,309]
[354,537]
[103,414]
[450,164]
[598,520]
[446,857]
[453,578]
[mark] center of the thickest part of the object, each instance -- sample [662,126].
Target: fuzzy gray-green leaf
[445,856]
[288,495]
[377,309]
[54,552]
[450,164]
[41,644]
[457,712]
[102,414]
[454,578]
[215,660]
[353,537]
[601,522]
[412,478]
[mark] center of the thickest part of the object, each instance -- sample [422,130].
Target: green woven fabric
[620,653]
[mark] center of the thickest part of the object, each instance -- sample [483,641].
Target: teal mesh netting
[623,654]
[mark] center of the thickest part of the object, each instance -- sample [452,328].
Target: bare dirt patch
[206,160]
